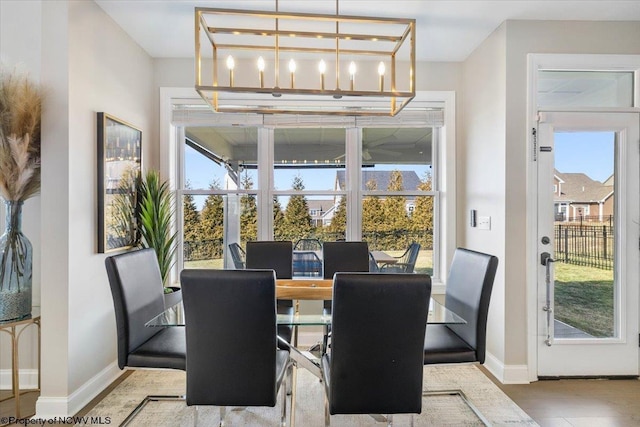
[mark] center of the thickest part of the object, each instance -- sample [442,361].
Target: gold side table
[15,328]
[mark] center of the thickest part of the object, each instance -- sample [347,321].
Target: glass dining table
[303,289]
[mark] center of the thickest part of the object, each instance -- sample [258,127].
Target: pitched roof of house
[322,205]
[410,179]
[578,187]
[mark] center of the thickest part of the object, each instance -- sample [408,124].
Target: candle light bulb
[322,66]
[352,73]
[292,70]
[261,71]
[230,64]
[381,72]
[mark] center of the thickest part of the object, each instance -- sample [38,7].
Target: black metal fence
[587,245]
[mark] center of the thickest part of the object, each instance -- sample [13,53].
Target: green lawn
[584,298]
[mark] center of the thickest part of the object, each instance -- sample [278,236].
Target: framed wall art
[119,167]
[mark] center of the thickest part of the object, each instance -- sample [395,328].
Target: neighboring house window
[314,212]
[555,188]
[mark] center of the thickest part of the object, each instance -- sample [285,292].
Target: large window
[398,194]
[309,179]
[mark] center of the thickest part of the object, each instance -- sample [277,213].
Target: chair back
[138,296]
[375,369]
[344,257]
[468,294]
[237,255]
[373,265]
[277,256]
[410,257]
[230,321]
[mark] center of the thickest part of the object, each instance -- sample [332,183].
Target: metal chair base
[144,402]
[464,398]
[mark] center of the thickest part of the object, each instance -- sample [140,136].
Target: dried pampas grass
[20,110]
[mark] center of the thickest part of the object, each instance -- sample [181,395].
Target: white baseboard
[48,407]
[28,379]
[506,374]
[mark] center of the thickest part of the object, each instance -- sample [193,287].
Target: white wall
[24,58]
[84,71]
[481,167]
[494,119]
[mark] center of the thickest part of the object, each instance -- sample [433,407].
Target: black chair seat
[442,345]
[166,349]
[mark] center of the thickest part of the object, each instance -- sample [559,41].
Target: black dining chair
[137,291]
[237,255]
[406,262]
[371,368]
[232,356]
[277,256]
[468,293]
[348,257]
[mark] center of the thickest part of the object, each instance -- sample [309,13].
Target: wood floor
[578,402]
[551,403]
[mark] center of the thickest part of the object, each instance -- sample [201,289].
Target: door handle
[546,260]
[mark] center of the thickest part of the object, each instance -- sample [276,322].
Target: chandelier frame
[337,101]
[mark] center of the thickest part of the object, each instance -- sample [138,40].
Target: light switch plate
[484,223]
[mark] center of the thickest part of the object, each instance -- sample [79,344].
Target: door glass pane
[585,89]
[398,159]
[584,212]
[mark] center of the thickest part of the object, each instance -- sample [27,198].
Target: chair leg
[390,420]
[144,402]
[464,398]
[195,416]
[327,415]
[285,393]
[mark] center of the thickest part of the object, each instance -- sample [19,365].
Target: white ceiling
[447,30]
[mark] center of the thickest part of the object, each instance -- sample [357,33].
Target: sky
[591,153]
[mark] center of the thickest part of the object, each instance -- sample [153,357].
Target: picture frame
[119,167]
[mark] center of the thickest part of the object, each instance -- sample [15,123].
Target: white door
[588,237]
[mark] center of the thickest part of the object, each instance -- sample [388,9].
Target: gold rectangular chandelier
[300,63]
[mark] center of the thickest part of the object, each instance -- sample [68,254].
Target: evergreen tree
[249,212]
[297,220]
[191,217]
[212,222]
[278,220]
[396,218]
[372,215]
[422,217]
[338,226]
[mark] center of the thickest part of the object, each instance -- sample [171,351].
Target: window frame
[444,176]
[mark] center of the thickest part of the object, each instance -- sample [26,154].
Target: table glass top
[174,316]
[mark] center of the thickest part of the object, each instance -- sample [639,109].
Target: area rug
[436,410]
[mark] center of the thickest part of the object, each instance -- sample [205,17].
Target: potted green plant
[154,214]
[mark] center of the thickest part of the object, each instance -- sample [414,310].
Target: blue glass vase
[16,259]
